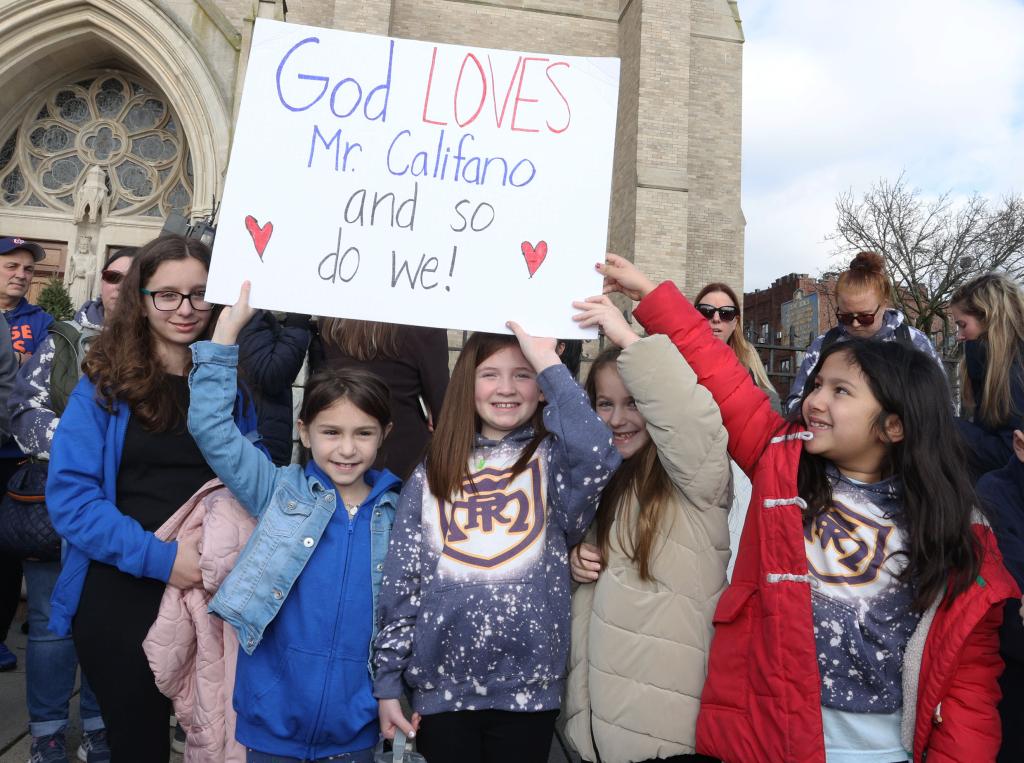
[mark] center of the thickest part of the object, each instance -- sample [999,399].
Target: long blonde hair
[996,301]
[642,477]
[743,349]
[362,340]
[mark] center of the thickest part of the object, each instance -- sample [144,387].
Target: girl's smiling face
[343,440]
[617,408]
[843,413]
[505,392]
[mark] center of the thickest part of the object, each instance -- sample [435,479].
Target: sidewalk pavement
[14,738]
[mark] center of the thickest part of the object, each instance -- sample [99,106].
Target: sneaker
[94,747]
[7,659]
[48,749]
[178,743]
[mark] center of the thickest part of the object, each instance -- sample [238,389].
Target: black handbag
[25,528]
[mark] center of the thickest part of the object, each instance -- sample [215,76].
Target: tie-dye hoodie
[474,607]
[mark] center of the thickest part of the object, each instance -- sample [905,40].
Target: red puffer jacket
[762,698]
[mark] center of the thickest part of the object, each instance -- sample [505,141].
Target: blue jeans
[359,756]
[51,662]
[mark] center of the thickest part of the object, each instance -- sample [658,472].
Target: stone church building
[115,113]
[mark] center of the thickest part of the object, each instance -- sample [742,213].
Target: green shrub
[55,300]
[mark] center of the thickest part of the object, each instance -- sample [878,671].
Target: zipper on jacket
[937,715]
[334,636]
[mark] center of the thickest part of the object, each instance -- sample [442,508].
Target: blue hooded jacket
[81,495]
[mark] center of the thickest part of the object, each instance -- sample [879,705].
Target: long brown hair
[362,340]
[458,422]
[743,349]
[122,362]
[642,477]
[938,501]
[996,301]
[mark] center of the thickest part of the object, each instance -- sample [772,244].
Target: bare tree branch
[930,247]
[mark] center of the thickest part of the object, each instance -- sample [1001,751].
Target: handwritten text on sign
[404,181]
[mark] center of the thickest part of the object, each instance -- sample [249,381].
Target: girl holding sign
[474,607]
[863,615]
[303,593]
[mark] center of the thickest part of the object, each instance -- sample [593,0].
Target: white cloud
[840,94]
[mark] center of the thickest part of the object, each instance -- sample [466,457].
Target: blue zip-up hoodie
[306,691]
[30,325]
[81,495]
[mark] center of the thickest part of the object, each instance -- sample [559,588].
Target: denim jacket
[293,507]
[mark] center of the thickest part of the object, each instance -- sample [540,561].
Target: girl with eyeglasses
[121,462]
[864,298]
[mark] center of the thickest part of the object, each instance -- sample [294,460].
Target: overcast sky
[840,93]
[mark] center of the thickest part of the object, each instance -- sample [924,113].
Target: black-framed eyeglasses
[861,319]
[171,300]
[113,277]
[727,314]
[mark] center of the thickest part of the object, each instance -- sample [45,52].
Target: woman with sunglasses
[122,461]
[38,399]
[863,310]
[717,302]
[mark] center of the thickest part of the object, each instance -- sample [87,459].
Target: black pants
[486,736]
[10,566]
[114,615]
[1011,709]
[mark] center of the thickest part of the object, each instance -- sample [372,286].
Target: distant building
[790,313]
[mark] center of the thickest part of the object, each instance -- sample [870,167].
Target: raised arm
[243,467]
[746,411]
[583,456]
[682,419]
[240,465]
[582,452]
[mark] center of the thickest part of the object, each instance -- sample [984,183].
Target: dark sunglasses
[861,319]
[112,277]
[727,314]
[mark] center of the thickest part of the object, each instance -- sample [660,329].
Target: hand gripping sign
[409,182]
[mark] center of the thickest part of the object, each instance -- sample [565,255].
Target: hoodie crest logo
[496,518]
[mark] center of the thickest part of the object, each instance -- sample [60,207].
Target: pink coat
[192,653]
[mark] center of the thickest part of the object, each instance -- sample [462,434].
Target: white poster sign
[404,181]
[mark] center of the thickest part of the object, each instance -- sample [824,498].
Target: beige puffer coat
[640,648]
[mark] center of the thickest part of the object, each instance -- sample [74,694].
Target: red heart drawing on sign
[260,235]
[534,255]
